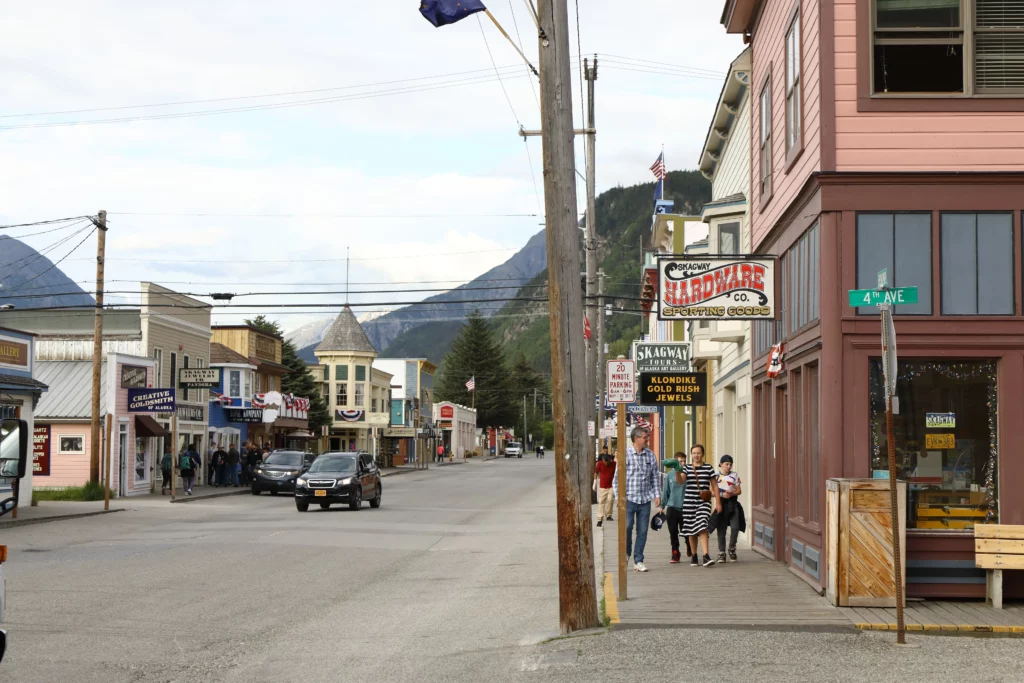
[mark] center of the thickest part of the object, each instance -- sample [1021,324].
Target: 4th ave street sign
[877,297]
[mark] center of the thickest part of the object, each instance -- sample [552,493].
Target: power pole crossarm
[97,349]
[526,133]
[576,581]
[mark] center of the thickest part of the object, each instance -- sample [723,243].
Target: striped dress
[696,511]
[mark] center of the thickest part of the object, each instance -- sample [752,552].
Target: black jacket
[730,507]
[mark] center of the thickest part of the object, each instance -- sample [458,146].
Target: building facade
[19,395]
[456,425]
[412,399]
[231,410]
[861,161]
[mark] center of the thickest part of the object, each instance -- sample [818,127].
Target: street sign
[876,297]
[621,384]
[590,428]
[674,388]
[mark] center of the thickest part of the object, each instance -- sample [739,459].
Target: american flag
[658,169]
[471,384]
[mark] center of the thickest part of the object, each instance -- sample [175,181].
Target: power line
[391,257]
[325,215]
[37,255]
[50,222]
[44,232]
[54,265]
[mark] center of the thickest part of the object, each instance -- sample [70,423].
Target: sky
[399,146]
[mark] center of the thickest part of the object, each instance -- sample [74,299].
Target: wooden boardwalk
[756,593]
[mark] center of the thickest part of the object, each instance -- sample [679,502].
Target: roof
[222,354]
[22,382]
[729,101]
[267,364]
[70,395]
[738,198]
[246,327]
[345,334]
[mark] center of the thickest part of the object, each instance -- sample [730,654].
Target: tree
[477,354]
[297,380]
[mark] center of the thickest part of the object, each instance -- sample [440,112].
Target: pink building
[64,416]
[889,135]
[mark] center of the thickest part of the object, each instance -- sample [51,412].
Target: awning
[301,435]
[147,426]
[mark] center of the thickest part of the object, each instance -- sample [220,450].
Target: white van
[513,448]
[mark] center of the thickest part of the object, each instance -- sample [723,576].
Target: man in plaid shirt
[643,484]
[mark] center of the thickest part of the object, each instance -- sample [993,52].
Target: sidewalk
[54,511]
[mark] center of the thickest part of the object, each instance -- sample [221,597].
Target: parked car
[513,448]
[333,478]
[279,471]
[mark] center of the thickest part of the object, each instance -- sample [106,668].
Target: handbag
[705,494]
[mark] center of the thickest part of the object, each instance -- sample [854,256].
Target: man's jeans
[640,514]
[729,518]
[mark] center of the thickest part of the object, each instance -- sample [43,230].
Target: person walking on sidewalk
[697,477]
[165,469]
[232,466]
[731,517]
[672,495]
[187,463]
[643,484]
[604,473]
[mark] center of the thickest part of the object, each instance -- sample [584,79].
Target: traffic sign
[621,381]
[877,297]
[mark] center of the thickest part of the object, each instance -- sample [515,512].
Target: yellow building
[359,395]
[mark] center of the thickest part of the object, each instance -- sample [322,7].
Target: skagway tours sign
[717,287]
[661,356]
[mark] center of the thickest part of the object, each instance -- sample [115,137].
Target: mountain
[450,306]
[30,280]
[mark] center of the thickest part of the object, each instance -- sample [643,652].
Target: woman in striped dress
[698,476]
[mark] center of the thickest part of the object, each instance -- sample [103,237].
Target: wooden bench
[998,547]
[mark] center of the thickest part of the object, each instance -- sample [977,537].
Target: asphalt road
[451,580]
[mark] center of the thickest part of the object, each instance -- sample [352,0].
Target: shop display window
[945,440]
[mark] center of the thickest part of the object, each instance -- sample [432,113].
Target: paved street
[451,580]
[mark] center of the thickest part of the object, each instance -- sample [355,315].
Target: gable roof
[345,334]
[222,354]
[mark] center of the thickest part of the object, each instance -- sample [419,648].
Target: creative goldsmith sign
[716,287]
[661,356]
[150,400]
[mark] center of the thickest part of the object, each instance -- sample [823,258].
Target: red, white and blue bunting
[350,415]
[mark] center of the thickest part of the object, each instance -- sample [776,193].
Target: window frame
[731,227]
[794,88]
[764,105]
[60,444]
[359,395]
[341,394]
[1014,285]
[234,375]
[931,263]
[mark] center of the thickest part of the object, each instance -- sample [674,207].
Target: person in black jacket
[220,462]
[232,466]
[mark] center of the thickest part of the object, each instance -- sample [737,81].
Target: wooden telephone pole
[591,256]
[570,391]
[97,349]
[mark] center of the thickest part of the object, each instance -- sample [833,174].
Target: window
[72,444]
[141,470]
[360,395]
[187,393]
[272,383]
[947,447]
[174,370]
[793,103]
[341,394]
[373,405]
[235,382]
[977,264]
[360,373]
[900,243]
[341,372]
[259,384]
[158,370]
[248,384]
[729,238]
[327,373]
[969,47]
[766,140]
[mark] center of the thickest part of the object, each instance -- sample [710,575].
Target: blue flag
[442,12]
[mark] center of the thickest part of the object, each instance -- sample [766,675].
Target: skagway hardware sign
[198,378]
[662,356]
[674,388]
[133,377]
[150,400]
[717,287]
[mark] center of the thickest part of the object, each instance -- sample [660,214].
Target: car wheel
[357,501]
[255,491]
[520,456]
[301,507]
[324,506]
[273,493]
[375,501]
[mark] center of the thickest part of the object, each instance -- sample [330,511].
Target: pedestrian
[220,459]
[672,496]
[232,466]
[211,465]
[697,477]
[604,473]
[165,470]
[643,484]
[252,459]
[188,471]
[731,517]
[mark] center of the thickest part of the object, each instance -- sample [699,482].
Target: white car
[513,449]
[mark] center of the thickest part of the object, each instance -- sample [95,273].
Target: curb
[946,629]
[57,518]
[222,494]
[448,464]
[395,473]
[611,605]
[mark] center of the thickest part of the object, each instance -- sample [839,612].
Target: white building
[457,424]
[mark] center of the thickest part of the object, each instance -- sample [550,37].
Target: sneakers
[609,518]
[708,561]
[675,557]
[639,567]
[732,554]
[694,562]
[599,522]
[721,558]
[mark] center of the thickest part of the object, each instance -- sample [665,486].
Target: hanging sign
[133,377]
[717,287]
[939,420]
[621,383]
[198,378]
[190,413]
[674,388]
[662,356]
[447,412]
[250,415]
[150,400]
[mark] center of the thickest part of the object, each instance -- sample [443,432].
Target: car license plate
[320,494]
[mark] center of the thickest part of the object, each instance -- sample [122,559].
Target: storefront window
[141,470]
[945,441]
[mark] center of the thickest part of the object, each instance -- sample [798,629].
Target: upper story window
[341,394]
[977,264]
[341,372]
[234,383]
[900,244]
[360,373]
[793,105]
[729,238]
[765,137]
[957,47]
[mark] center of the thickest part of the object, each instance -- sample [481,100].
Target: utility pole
[601,365]
[590,73]
[523,440]
[570,393]
[97,349]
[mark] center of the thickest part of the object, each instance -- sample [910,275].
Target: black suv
[279,471]
[339,478]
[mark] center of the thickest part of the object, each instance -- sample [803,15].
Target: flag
[442,12]
[586,327]
[658,169]
[471,384]
[775,361]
